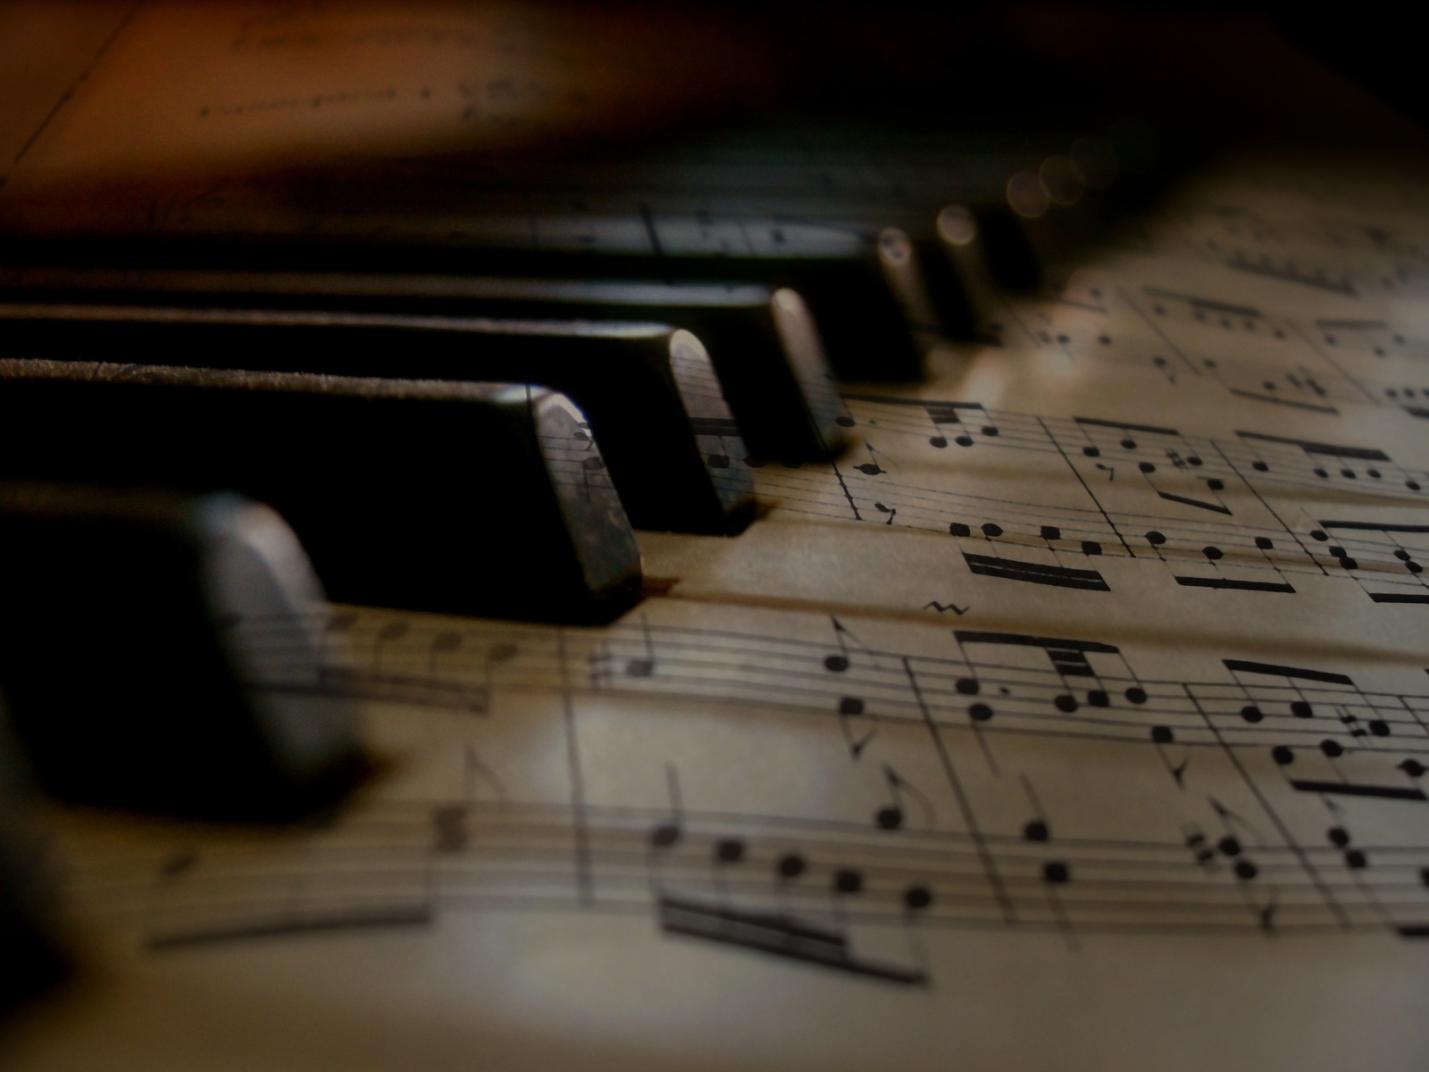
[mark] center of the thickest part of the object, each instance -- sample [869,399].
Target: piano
[739,536]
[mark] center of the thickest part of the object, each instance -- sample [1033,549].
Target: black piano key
[649,391]
[1043,205]
[486,499]
[1009,253]
[903,265]
[839,270]
[35,956]
[965,255]
[763,344]
[127,677]
[1055,207]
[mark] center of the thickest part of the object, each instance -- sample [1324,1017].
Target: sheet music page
[1078,718]
[152,93]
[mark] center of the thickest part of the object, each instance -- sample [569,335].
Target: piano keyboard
[391,391]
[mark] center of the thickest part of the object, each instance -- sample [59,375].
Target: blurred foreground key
[126,679]
[34,957]
[473,498]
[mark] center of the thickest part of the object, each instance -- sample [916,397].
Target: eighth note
[891,816]
[852,707]
[840,662]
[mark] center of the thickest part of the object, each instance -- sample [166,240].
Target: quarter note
[1055,875]
[643,666]
[1036,829]
[1161,736]
[849,708]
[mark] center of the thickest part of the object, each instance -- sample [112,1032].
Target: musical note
[892,816]
[1162,736]
[1316,450]
[849,708]
[1355,859]
[1214,485]
[1068,659]
[643,666]
[1037,829]
[941,414]
[1055,875]
[1284,756]
[1201,848]
[1412,586]
[839,663]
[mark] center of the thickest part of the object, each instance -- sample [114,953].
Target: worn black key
[652,398]
[965,253]
[486,499]
[34,955]
[1010,256]
[1057,205]
[763,344]
[126,678]
[1043,206]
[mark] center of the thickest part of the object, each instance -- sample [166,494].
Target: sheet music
[1077,718]
[158,92]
